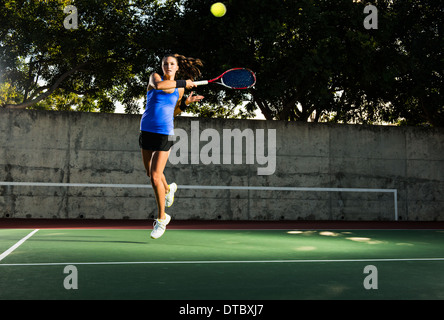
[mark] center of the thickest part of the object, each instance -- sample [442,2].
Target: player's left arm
[180,107]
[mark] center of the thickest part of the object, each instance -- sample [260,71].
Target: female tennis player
[165,100]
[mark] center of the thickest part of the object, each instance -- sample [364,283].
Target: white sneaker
[160,226]
[169,197]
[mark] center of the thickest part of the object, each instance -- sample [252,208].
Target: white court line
[18,244]
[217,262]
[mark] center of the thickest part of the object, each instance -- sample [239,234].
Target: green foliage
[36,51]
[314,60]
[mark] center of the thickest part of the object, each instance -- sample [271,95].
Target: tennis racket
[237,78]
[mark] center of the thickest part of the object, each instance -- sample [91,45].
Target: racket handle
[201,83]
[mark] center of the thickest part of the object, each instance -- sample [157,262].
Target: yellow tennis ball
[218,9]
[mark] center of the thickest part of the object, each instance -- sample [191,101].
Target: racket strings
[241,78]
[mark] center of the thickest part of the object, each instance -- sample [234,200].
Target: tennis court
[221,261]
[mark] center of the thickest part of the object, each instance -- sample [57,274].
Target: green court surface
[222,264]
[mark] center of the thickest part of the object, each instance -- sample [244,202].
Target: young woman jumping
[165,100]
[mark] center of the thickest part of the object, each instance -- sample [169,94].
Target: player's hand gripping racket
[237,78]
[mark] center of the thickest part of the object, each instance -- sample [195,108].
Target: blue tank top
[159,112]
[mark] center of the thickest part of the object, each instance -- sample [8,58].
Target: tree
[419,36]
[40,58]
[314,60]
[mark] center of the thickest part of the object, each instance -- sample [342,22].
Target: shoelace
[158,225]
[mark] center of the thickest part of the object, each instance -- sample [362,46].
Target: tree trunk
[46,94]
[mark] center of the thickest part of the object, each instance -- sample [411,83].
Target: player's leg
[158,164]
[158,181]
[147,156]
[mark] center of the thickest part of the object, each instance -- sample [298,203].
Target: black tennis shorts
[154,141]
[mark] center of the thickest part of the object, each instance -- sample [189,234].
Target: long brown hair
[188,67]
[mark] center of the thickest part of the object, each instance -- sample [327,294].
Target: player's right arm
[157,83]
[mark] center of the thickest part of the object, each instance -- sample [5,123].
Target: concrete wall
[59,147]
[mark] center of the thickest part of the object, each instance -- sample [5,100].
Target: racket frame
[205,82]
